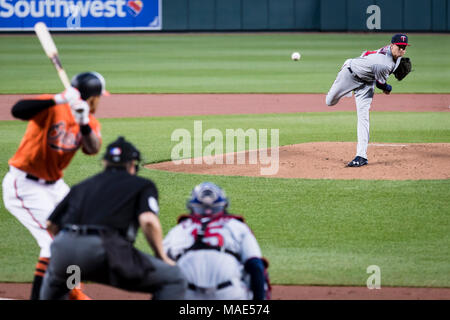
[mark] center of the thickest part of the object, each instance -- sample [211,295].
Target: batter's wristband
[85,130]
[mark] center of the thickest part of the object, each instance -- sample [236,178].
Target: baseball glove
[403,68]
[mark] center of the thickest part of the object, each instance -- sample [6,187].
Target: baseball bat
[50,50]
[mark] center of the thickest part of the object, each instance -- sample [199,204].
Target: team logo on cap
[116,151]
[135,7]
[403,38]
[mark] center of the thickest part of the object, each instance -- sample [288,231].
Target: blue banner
[81,15]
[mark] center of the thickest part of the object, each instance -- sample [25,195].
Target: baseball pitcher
[217,251]
[58,125]
[361,75]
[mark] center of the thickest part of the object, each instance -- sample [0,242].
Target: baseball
[295,56]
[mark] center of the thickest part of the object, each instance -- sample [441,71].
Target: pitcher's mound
[327,160]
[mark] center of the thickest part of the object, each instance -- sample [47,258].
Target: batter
[34,186]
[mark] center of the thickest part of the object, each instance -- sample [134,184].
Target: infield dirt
[161,105]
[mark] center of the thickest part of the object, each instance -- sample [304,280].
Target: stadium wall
[229,15]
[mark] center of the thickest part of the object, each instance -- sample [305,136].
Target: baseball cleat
[358,162]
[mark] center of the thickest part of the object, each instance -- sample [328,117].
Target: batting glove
[70,95]
[80,110]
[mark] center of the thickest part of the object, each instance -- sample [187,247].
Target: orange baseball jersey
[50,142]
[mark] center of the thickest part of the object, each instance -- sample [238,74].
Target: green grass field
[324,232]
[214,63]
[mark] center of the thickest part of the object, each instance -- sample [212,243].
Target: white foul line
[387,145]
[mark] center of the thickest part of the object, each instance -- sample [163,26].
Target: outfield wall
[228,15]
[308,15]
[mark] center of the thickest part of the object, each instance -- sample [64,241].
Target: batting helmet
[89,84]
[206,199]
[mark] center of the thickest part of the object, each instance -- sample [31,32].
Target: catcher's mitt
[403,68]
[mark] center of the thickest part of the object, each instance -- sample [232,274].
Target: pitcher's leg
[343,84]
[363,99]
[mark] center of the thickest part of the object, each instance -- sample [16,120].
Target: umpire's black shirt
[113,198]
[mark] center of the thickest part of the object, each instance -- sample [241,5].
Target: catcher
[361,75]
[217,251]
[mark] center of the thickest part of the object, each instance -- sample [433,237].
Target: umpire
[96,225]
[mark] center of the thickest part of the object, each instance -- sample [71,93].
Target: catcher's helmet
[121,151]
[89,84]
[207,198]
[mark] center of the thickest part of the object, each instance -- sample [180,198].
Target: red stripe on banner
[134,5]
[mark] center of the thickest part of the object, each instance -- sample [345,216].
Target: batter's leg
[59,191]
[31,203]
[363,97]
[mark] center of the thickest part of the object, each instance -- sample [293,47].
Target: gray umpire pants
[86,254]
[345,83]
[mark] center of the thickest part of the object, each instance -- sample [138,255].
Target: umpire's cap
[121,151]
[89,84]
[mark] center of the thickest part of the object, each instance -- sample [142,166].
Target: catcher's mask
[121,152]
[207,199]
[89,84]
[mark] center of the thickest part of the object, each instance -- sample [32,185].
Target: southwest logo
[135,7]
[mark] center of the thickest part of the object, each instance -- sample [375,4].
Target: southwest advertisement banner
[81,15]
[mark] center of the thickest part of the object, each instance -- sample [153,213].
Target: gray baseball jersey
[374,65]
[207,269]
